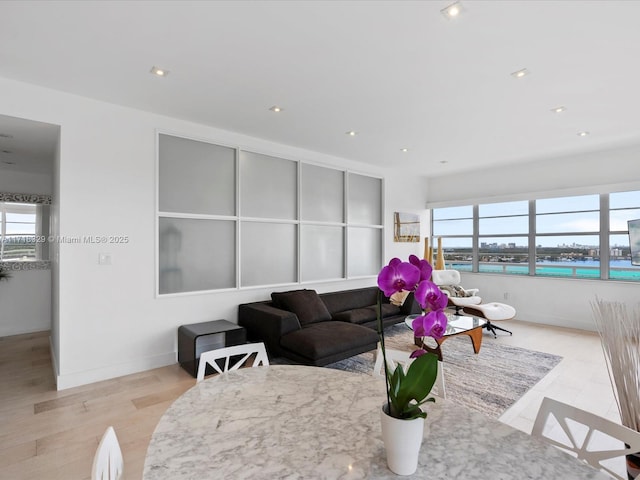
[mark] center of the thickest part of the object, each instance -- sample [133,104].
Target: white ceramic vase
[402,441]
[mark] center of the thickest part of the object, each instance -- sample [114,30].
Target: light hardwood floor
[48,435]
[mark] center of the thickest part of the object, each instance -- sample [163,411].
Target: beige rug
[489,382]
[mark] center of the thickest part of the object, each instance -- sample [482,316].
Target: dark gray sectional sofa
[318,329]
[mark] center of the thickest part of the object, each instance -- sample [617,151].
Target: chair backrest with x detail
[234,357]
[585,435]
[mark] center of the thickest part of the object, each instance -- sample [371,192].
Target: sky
[572,220]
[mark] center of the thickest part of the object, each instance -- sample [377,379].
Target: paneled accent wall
[229,218]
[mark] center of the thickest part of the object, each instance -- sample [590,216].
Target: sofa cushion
[349,299]
[320,340]
[389,310]
[367,314]
[306,304]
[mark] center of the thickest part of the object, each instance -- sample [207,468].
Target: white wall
[564,302]
[24,182]
[107,321]
[405,193]
[592,172]
[25,302]
[551,301]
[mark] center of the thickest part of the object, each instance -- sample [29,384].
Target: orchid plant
[407,391]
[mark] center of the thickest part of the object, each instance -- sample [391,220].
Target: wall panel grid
[229,218]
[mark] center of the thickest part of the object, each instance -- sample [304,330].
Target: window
[623,206]
[579,237]
[23,231]
[455,226]
[503,238]
[567,236]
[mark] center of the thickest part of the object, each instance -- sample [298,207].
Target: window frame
[41,239]
[603,234]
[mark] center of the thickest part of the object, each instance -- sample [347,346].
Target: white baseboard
[76,379]
[548,319]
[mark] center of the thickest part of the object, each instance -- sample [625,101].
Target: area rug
[489,382]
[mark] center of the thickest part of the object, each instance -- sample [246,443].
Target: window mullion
[604,236]
[475,245]
[532,237]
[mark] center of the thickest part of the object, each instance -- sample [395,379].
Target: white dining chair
[585,435]
[108,463]
[398,357]
[230,354]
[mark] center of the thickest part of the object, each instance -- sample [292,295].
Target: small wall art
[406,227]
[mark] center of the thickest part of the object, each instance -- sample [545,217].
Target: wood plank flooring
[50,435]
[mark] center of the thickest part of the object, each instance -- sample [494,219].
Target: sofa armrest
[267,324]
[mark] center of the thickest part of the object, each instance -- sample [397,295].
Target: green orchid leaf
[419,379]
[413,411]
[396,380]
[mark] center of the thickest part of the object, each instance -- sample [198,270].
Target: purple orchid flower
[433,324]
[429,296]
[418,353]
[440,325]
[398,276]
[422,265]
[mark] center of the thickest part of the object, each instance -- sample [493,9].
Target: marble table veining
[296,422]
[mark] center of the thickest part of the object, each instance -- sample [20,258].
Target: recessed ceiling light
[351,133]
[276,109]
[582,134]
[160,72]
[521,73]
[453,10]
[405,150]
[558,109]
[444,161]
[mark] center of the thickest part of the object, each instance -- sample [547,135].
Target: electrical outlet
[104,259]
[506,295]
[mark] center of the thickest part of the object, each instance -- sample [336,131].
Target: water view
[618,269]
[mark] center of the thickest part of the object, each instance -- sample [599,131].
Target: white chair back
[445,277]
[230,354]
[398,357]
[585,435]
[108,463]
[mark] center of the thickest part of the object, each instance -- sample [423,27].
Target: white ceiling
[397,72]
[27,146]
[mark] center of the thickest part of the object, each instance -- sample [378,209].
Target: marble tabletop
[297,422]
